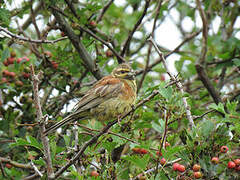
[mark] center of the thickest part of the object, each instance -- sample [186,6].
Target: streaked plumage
[110,97]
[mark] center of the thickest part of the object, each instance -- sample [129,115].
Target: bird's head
[123,71]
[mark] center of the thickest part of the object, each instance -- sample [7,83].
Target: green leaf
[165,92]
[207,127]
[5,54]
[158,127]
[236,61]
[33,142]
[139,161]
[218,107]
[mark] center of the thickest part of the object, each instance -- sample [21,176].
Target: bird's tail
[71,118]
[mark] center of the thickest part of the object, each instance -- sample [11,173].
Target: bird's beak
[130,75]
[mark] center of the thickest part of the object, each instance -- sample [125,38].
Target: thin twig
[40,118]
[36,169]
[179,85]
[14,36]
[127,43]
[99,18]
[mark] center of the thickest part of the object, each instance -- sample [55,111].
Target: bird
[108,98]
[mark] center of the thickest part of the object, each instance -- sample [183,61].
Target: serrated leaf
[158,127]
[33,142]
[236,61]
[218,107]
[5,54]
[207,127]
[140,161]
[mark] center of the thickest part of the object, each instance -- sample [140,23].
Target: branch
[16,164]
[127,43]
[119,57]
[40,118]
[178,84]
[85,56]
[103,131]
[104,10]
[38,41]
[188,38]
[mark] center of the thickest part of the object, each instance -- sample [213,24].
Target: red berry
[63,34]
[19,60]
[175,166]
[109,53]
[136,150]
[11,60]
[224,149]
[94,174]
[181,168]
[5,72]
[11,74]
[197,175]
[26,58]
[13,54]
[158,153]
[215,160]
[237,162]
[9,166]
[143,151]
[163,161]
[48,54]
[196,167]
[54,64]
[5,63]
[93,23]
[25,75]
[237,168]
[231,165]
[167,144]
[19,83]
[162,78]
[4,80]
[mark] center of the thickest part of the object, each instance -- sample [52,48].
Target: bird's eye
[122,72]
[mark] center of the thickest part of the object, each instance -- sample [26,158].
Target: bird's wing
[103,90]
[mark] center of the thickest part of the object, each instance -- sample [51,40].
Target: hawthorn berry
[11,60]
[25,75]
[4,80]
[54,64]
[159,153]
[175,166]
[237,162]
[163,161]
[143,151]
[231,165]
[13,54]
[94,174]
[197,175]
[196,167]
[181,168]
[109,53]
[48,54]
[224,149]
[215,160]
[5,63]
[11,74]
[9,166]
[93,23]
[19,83]
[167,144]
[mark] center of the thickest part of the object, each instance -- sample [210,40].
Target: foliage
[66,77]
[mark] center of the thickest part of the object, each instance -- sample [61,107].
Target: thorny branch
[38,41]
[179,85]
[40,119]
